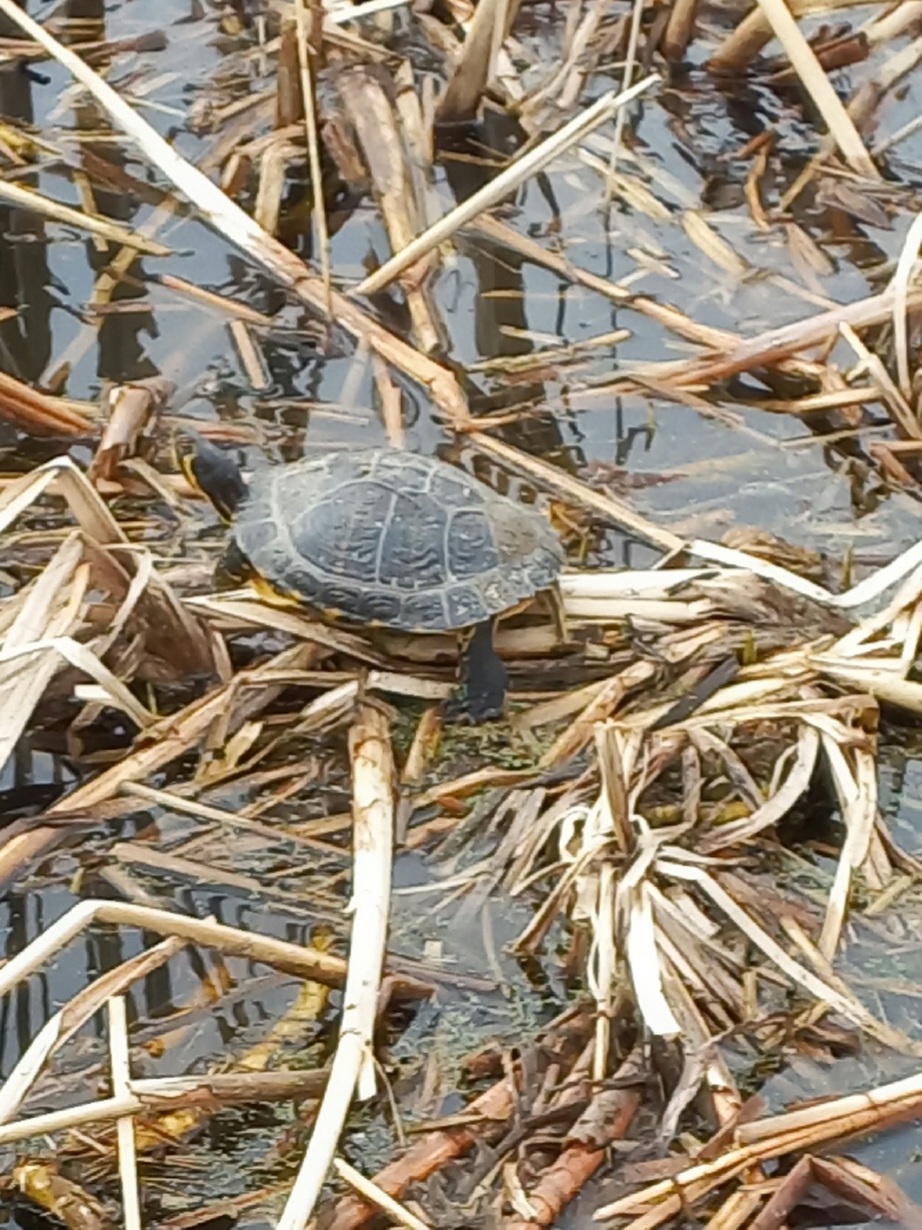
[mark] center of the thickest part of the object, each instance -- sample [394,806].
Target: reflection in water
[25,339]
[122,355]
[472,156]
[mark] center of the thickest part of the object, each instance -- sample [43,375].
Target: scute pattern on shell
[386,537]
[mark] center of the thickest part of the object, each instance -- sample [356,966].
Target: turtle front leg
[483,676]
[232,569]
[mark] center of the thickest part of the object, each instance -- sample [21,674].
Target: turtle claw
[476,709]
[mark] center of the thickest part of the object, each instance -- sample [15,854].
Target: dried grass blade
[307,57]
[821,990]
[646,971]
[857,795]
[22,685]
[795,786]
[40,413]
[83,659]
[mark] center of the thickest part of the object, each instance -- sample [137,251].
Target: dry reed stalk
[273,173]
[773,345]
[565,1178]
[353,1063]
[121,1087]
[310,34]
[576,492]
[229,1088]
[65,1023]
[663,313]
[482,1117]
[629,65]
[232,222]
[74,1116]
[391,403]
[40,414]
[289,98]
[372,116]
[251,358]
[523,168]
[750,35]
[418,140]
[476,65]
[375,1195]
[210,299]
[25,198]
[103,287]
[242,609]
[892,398]
[841,126]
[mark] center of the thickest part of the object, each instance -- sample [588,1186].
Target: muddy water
[684,471]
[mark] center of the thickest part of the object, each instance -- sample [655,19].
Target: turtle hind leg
[483,677]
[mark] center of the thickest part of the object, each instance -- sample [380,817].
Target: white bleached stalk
[353,1064]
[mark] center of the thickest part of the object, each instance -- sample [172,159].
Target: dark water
[689,134]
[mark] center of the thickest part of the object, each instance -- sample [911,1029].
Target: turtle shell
[385,537]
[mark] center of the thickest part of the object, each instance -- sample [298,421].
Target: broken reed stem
[523,168]
[121,1088]
[812,75]
[74,1014]
[305,52]
[306,962]
[36,202]
[769,1138]
[353,1064]
[240,229]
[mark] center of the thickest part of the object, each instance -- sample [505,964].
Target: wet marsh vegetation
[284,943]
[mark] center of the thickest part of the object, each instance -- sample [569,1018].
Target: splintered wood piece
[132,408]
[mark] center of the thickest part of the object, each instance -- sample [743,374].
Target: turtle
[379,537]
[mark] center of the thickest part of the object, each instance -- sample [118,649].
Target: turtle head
[212,471]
